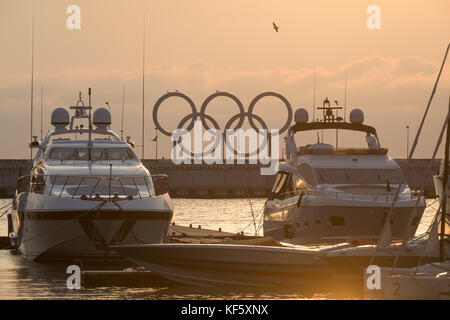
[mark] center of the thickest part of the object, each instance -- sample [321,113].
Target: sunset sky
[200,46]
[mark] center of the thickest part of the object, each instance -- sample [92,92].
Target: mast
[444,191]
[123,108]
[32,83]
[90,127]
[143,91]
[314,98]
[416,139]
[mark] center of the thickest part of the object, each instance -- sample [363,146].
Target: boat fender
[10,224]
[288,231]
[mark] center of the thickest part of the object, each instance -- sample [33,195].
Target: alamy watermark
[252,147]
[374,20]
[74,280]
[373,280]
[74,20]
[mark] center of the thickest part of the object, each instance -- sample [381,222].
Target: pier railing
[87,187]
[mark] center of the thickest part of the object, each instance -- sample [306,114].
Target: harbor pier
[218,181]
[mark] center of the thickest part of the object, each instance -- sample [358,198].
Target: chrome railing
[344,195]
[377,197]
[87,187]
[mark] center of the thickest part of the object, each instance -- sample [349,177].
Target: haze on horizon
[200,46]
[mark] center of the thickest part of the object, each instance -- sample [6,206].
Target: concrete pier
[217,181]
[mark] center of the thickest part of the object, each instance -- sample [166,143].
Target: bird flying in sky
[275,26]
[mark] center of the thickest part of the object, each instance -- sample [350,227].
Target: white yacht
[87,190]
[327,194]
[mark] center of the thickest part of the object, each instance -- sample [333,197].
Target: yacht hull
[49,229]
[318,224]
[241,265]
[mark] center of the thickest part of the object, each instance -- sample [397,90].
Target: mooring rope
[6,211]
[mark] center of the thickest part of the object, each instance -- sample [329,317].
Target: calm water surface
[22,279]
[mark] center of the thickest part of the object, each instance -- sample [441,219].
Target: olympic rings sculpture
[203,116]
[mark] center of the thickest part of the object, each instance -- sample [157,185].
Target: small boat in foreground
[227,264]
[351,262]
[426,282]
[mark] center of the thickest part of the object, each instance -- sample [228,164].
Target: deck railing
[87,187]
[344,195]
[377,197]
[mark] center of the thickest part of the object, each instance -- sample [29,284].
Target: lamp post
[155,139]
[407,142]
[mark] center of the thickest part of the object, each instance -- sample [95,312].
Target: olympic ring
[167,96]
[216,141]
[203,117]
[270,94]
[248,154]
[223,94]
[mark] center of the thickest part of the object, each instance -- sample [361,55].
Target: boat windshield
[358,176]
[77,186]
[97,154]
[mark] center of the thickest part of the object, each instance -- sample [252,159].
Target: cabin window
[280,181]
[359,176]
[76,186]
[97,154]
[307,174]
[277,216]
[283,186]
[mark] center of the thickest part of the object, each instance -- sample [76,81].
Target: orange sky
[198,47]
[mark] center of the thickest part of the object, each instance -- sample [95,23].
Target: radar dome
[356,116]
[102,118]
[60,118]
[301,115]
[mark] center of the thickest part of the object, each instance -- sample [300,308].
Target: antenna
[90,125]
[337,130]
[32,83]
[314,98]
[123,108]
[41,107]
[143,91]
